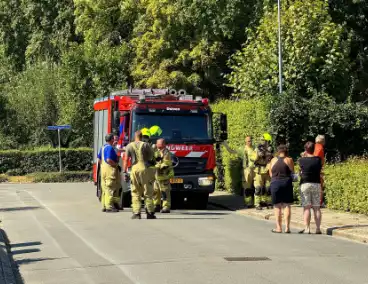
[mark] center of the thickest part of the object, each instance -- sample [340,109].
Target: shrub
[245,117]
[3,178]
[45,160]
[52,177]
[346,186]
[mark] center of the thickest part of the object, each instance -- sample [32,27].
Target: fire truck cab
[186,123]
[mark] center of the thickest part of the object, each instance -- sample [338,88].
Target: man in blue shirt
[110,176]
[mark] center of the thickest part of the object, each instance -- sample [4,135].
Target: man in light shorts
[310,184]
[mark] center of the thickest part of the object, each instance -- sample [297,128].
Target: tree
[13,33]
[186,43]
[51,28]
[315,54]
[354,15]
[32,103]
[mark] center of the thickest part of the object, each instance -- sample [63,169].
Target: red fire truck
[187,126]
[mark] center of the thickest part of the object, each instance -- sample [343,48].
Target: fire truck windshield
[176,128]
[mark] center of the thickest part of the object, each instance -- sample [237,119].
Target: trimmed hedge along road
[18,163]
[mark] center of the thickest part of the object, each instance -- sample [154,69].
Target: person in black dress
[281,172]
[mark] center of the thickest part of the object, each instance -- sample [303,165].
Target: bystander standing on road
[281,170]
[310,187]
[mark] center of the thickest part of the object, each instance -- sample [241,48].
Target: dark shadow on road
[22,251]
[19,208]
[227,202]
[25,244]
[175,218]
[330,231]
[31,260]
[18,276]
[200,213]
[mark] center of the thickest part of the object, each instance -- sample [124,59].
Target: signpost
[58,128]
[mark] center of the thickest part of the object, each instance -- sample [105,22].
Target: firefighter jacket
[164,169]
[262,156]
[248,161]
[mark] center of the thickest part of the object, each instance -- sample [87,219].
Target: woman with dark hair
[310,187]
[281,172]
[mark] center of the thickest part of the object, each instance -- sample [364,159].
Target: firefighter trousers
[156,194]
[142,180]
[110,185]
[163,190]
[262,194]
[248,186]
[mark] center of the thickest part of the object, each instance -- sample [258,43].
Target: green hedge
[3,178]
[346,186]
[51,177]
[245,117]
[17,163]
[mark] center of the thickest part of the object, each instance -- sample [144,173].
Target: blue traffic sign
[57,127]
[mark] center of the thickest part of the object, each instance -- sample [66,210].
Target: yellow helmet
[146,132]
[155,130]
[267,136]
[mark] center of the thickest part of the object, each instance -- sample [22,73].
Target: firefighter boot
[150,215]
[113,210]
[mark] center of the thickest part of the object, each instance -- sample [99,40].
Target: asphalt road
[59,235]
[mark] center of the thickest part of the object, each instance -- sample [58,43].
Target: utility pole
[60,165]
[280,45]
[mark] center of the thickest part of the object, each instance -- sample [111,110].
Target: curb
[329,231]
[6,270]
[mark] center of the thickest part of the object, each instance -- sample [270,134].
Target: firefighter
[248,171]
[110,176]
[262,157]
[164,172]
[147,133]
[146,137]
[142,175]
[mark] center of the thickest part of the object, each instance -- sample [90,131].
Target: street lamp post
[280,45]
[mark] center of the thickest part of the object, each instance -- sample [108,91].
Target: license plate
[176,180]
